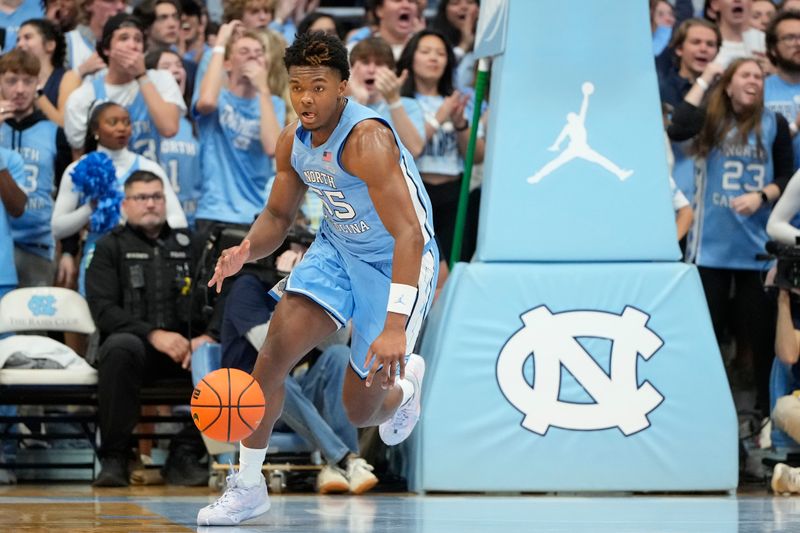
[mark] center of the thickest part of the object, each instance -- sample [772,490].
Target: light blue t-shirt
[441,155]
[8,273]
[179,156]
[720,237]
[784,98]
[37,146]
[233,164]
[412,109]
[28,9]
[351,221]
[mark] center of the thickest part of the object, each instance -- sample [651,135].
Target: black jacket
[135,284]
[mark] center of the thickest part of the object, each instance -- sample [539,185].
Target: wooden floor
[79,508]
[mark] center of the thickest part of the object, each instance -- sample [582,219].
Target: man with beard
[782,89]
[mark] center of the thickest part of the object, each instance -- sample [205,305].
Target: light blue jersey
[8,272]
[37,146]
[720,237]
[351,222]
[180,158]
[144,135]
[28,9]
[234,167]
[784,98]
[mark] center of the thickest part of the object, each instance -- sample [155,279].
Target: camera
[788,267]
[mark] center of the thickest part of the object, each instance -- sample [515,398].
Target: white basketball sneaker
[399,427]
[236,504]
[785,479]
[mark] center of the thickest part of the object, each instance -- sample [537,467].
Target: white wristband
[793,127]
[433,123]
[401,299]
[701,83]
[397,104]
[218,50]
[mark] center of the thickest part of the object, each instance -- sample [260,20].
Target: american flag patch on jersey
[326,156]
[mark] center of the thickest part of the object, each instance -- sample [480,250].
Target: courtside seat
[43,309]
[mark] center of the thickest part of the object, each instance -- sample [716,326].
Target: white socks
[408,390]
[250,462]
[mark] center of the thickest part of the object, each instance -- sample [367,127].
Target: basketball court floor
[79,508]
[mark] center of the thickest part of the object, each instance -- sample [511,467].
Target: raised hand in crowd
[257,74]
[457,113]
[304,7]
[357,90]
[131,61]
[226,31]
[388,83]
[7,109]
[466,26]
[91,65]
[286,10]
[446,109]
[709,76]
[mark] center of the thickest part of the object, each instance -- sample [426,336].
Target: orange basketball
[227,405]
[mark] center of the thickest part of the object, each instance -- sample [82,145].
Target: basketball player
[374,261]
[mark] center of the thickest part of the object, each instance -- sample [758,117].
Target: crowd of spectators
[195,94]
[136,137]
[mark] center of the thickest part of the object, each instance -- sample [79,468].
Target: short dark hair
[146,11]
[314,16]
[50,32]
[771,33]
[118,21]
[89,142]
[316,49]
[192,8]
[142,176]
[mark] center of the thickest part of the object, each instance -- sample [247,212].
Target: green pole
[461,213]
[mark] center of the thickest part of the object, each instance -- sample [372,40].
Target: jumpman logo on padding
[575,129]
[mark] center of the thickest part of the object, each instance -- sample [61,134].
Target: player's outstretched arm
[372,154]
[270,228]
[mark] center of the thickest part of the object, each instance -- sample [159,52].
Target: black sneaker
[113,472]
[185,469]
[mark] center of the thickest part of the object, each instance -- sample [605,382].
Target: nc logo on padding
[550,338]
[42,305]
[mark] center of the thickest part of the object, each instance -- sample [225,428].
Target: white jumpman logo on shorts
[575,129]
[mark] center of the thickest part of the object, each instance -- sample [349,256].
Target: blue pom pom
[95,178]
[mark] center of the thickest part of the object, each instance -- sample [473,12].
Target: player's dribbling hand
[229,263]
[389,352]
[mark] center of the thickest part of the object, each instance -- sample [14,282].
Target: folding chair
[56,309]
[43,309]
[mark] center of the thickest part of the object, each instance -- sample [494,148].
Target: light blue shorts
[349,288]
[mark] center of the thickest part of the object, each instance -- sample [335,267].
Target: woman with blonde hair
[277,75]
